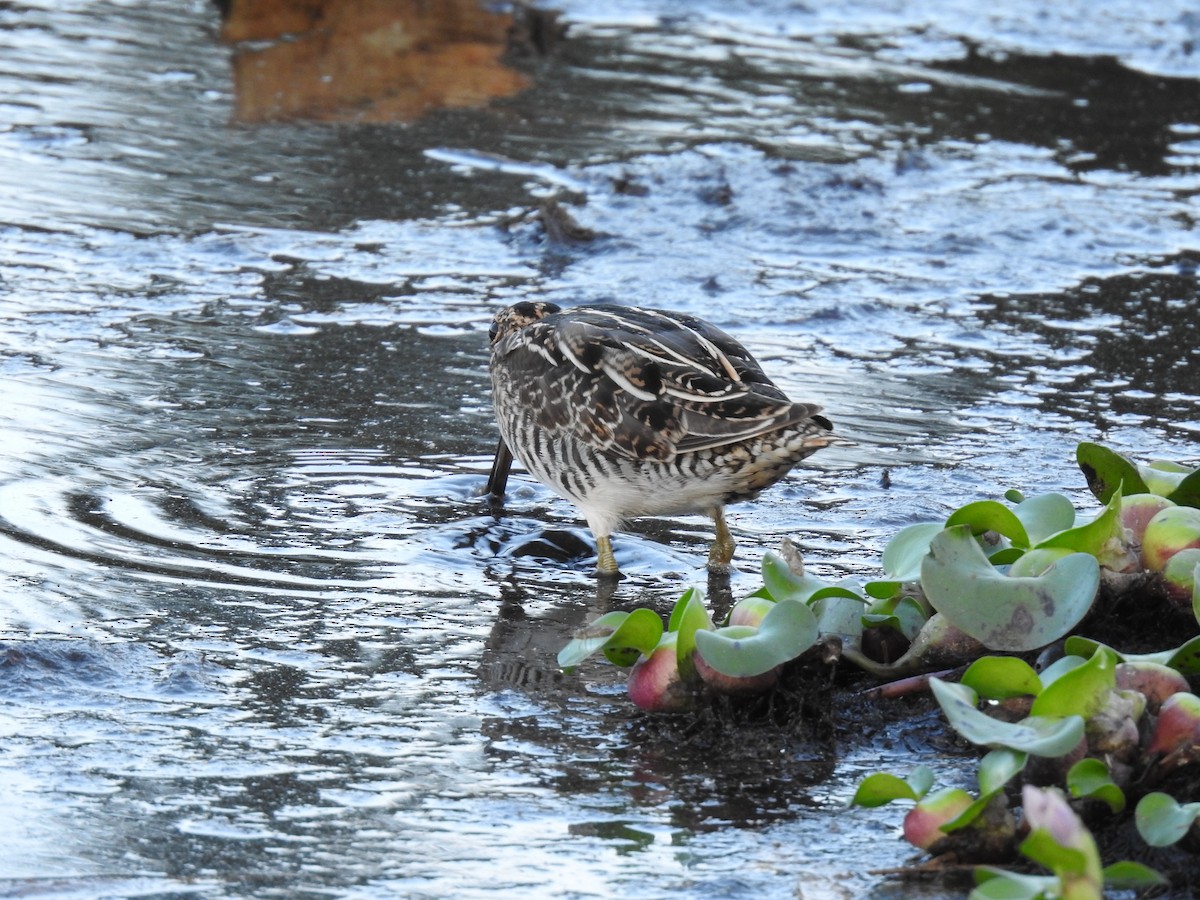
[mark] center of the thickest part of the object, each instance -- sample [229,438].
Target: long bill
[498,479]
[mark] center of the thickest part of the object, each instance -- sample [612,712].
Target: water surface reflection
[352,61]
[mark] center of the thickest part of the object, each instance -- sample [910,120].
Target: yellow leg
[723,544]
[606,563]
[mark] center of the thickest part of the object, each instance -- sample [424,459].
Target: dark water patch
[1137,329]
[63,673]
[1162,43]
[86,887]
[1108,117]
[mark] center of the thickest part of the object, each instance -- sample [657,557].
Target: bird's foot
[719,564]
[606,562]
[723,545]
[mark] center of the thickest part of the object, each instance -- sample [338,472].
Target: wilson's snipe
[634,412]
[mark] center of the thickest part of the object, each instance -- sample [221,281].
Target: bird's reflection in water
[549,590]
[539,614]
[521,651]
[737,760]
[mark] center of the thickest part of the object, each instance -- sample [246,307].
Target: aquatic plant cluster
[1096,732]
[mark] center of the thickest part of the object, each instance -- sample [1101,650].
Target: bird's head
[515,317]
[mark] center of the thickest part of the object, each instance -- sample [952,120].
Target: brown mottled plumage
[631,412]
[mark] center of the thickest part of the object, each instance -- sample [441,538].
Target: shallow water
[260,634]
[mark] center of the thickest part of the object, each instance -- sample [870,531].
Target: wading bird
[639,412]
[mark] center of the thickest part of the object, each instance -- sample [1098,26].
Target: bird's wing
[645,384]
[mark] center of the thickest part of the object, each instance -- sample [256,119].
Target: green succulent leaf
[786,631]
[1060,841]
[990,515]
[1043,849]
[1077,645]
[622,636]
[903,554]
[1184,659]
[883,590]
[996,769]
[883,787]
[1089,778]
[1036,735]
[688,617]
[904,614]
[1107,472]
[686,606]
[639,635]
[998,884]
[1102,537]
[1187,492]
[1035,562]
[838,611]
[1005,556]
[1167,465]
[879,788]
[920,780]
[782,583]
[1060,667]
[1196,592]
[1008,614]
[1131,876]
[1044,515]
[1001,677]
[912,615]
[1161,821]
[1082,690]
[1163,476]
[836,590]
